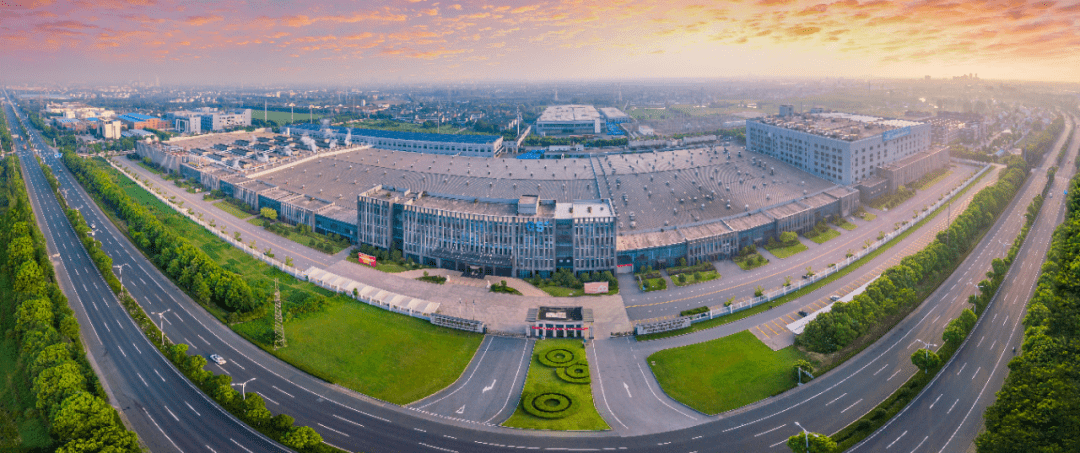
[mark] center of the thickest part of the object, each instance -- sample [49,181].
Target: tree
[682,278]
[758,291]
[112,439]
[787,280]
[79,415]
[788,237]
[805,366]
[301,437]
[819,443]
[282,422]
[954,332]
[925,359]
[236,235]
[288,261]
[55,384]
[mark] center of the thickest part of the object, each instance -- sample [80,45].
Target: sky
[352,42]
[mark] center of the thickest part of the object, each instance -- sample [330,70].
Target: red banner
[366,259]
[559,328]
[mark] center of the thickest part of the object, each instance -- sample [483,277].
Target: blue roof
[135,117]
[398,135]
[67,120]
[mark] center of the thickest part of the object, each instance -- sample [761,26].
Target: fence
[330,284]
[661,325]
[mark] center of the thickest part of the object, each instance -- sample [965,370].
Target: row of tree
[894,292]
[68,395]
[1037,408]
[188,265]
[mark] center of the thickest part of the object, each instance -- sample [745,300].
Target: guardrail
[658,325]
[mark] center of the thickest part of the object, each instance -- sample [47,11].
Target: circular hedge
[557,357]
[549,404]
[574,374]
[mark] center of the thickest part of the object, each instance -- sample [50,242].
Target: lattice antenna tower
[279,325]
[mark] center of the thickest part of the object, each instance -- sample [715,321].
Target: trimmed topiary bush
[557,357]
[549,404]
[574,374]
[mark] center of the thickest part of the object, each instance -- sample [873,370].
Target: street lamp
[806,435]
[243,387]
[802,372]
[927,347]
[121,267]
[161,324]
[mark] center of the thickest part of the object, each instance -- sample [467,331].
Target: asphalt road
[487,391]
[947,415]
[356,422]
[161,405]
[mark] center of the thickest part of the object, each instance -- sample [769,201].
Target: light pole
[927,349]
[801,372]
[121,267]
[161,324]
[806,435]
[243,387]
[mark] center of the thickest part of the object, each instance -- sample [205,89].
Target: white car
[216,358]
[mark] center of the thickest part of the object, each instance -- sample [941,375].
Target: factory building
[569,120]
[140,121]
[839,147]
[417,142]
[523,238]
[207,119]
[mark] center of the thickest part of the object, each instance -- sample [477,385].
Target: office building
[110,129]
[569,120]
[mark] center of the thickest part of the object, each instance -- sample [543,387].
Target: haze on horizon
[355,42]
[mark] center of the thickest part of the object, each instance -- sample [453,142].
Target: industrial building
[140,121]
[840,147]
[417,142]
[208,119]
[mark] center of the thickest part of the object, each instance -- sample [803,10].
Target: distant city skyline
[258,42]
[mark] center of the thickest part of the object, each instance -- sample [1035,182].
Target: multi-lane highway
[161,405]
[172,407]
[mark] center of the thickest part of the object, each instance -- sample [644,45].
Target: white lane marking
[211,449]
[936,400]
[851,406]
[171,413]
[268,399]
[769,431]
[203,339]
[980,341]
[961,368]
[136,348]
[883,367]
[438,448]
[418,429]
[106,324]
[600,382]
[951,407]
[192,409]
[473,373]
[897,440]
[486,389]
[282,391]
[893,375]
[143,380]
[332,429]
[920,444]
[349,421]
[837,398]
[976,373]
[647,384]
[1005,321]
[627,387]
[241,446]
[159,375]
[993,344]
[121,350]
[163,431]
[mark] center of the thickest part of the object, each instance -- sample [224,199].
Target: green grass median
[545,389]
[724,374]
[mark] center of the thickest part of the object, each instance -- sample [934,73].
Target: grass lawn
[543,377]
[843,223]
[304,238]
[504,289]
[824,237]
[690,280]
[784,252]
[724,374]
[935,177]
[391,356]
[230,208]
[389,267]
[655,284]
[388,356]
[559,291]
[752,261]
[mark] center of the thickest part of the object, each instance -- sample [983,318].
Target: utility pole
[279,325]
[121,266]
[806,435]
[927,349]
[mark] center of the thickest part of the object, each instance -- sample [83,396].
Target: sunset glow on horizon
[285,41]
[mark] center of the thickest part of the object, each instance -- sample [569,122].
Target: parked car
[218,359]
[834,298]
[802,313]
